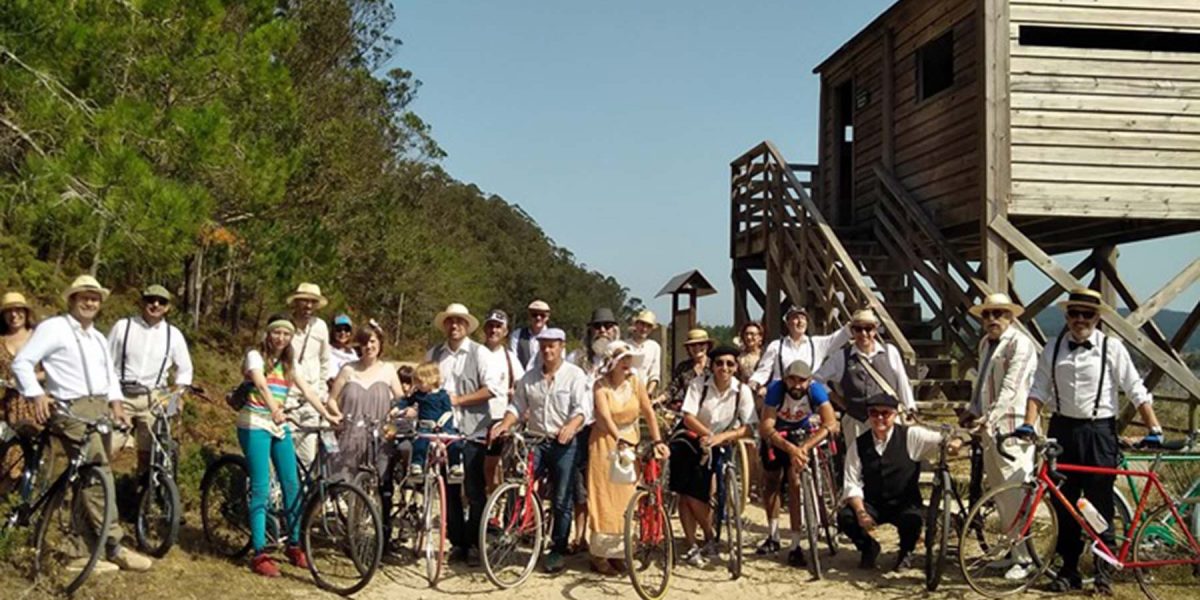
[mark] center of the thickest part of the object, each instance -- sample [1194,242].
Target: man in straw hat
[1078,378]
[648,354]
[796,345]
[464,366]
[314,363]
[80,381]
[866,368]
[145,348]
[882,480]
[1007,360]
[523,342]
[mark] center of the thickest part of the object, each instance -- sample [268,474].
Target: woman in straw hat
[697,365]
[16,326]
[620,398]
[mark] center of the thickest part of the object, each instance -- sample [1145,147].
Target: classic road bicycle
[946,512]
[649,538]
[156,525]
[67,545]
[1164,555]
[516,524]
[341,531]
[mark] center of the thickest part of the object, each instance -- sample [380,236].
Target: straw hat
[996,301]
[85,283]
[456,310]
[698,336]
[1084,298]
[865,315]
[538,306]
[14,300]
[308,291]
[616,351]
[646,317]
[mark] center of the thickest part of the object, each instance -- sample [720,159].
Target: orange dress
[607,500]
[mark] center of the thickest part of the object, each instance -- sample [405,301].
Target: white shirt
[1077,373]
[812,349]
[464,371]
[921,443]
[547,405]
[499,361]
[514,341]
[835,368]
[313,360]
[56,344]
[339,358]
[720,411]
[649,362]
[147,346]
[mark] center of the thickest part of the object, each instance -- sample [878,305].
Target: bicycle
[818,499]
[340,529]
[514,530]
[728,506]
[1159,559]
[156,525]
[649,538]
[946,510]
[62,506]
[431,532]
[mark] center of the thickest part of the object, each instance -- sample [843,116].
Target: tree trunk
[97,247]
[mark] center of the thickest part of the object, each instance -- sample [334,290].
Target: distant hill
[1051,320]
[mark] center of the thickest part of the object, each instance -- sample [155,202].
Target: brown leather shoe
[602,567]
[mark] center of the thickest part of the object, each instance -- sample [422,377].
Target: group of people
[581,406]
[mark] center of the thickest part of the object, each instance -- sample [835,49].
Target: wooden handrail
[800,234]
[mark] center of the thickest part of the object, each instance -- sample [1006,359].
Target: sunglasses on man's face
[862,328]
[539,315]
[993,314]
[151,301]
[1081,314]
[725,363]
[881,414]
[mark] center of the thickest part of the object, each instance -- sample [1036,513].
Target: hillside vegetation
[230,149]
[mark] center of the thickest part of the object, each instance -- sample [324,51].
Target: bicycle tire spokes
[995,541]
[1174,554]
[343,537]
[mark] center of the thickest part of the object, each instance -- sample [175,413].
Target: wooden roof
[862,33]
[691,281]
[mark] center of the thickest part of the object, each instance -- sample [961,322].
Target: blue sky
[613,123]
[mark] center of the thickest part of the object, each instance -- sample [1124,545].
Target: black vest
[523,337]
[858,384]
[890,482]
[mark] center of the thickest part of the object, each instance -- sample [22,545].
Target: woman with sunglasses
[342,349]
[1078,377]
[863,369]
[716,409]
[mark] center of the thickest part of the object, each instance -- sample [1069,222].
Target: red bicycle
[1159,549]
[649,539]
[431,533]
[515,523]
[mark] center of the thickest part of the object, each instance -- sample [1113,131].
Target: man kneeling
[882,471]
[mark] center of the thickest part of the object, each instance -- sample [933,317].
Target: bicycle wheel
[1165,543]
[733,521]
[225,506]
[510,536]
[937,530]
[989,545]
[433,528]
[1087,560]
[649,546]
[73,529]
[743,468]
[157,524]
[808,502]
[342,534]
[368,483]
[829,495]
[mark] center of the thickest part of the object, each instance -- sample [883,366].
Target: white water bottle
[1093,516]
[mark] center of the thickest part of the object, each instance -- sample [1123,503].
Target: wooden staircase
[901,268]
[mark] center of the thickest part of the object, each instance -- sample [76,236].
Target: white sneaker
[102,566]
[1018,572]
[416,470]
[456,471]
[694,557]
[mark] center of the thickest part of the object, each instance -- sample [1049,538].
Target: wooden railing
[772,204]
[947,284]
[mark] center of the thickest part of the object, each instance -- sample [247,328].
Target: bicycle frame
[652,528]
[1120,559]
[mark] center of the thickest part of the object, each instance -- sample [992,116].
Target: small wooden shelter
[690,286]
[959,136]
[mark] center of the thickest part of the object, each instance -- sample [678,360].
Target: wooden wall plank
[1104,121]
[1069,84]
[1117,18]
[1135,68]
[1126,140]
[1108,156]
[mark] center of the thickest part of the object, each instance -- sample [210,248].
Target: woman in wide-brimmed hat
[16,326]
[697,345]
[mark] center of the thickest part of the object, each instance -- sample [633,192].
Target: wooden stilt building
[960,136]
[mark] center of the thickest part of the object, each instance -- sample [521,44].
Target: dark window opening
[1109,39]
[935,66]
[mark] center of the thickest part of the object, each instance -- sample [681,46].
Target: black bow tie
[1086,345]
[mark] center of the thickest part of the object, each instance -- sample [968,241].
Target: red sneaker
[296,556]
[264,565]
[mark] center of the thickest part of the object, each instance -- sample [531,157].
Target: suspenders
[812,349]
[125,351]
[1054,374]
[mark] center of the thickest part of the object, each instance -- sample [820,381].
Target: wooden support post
[888,132]
[1164,296]
[740,312]
[996,151]
[1106,254]
[771,315]
[1182,335]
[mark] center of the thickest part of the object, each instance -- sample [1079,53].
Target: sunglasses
[862,328]
[1081,314]
[993,314]
[152,300]
[881,414]
[539,315]
[725,363]
[341,330]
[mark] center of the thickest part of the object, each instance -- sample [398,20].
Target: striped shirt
[256,414]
